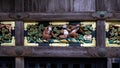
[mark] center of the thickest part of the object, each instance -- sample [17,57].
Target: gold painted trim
[59,23]
[59,44]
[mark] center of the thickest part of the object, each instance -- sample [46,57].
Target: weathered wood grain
[59,5]
[112,5]
[100,33]
[19,6]
[7,6]
[84,5]
[85,52]
[19,33]
[19,62]
[101,5]
[59,16]
[47,5]
[109,63]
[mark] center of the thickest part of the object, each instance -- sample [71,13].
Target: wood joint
[102,15]
[18,16]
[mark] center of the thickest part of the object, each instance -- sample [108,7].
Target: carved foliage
[114,36]
[6,35]
[60,32]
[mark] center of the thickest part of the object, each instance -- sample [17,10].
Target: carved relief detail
[113,34]
[64,33]
[6,33]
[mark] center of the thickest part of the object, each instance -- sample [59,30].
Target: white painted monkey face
[50,28]
[64,26]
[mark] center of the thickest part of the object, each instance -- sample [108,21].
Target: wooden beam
[47,16]
[59,16]
[5,16]
[115,17]
[100,5]
[100,33]
[45,51]
[109,62]
[19,6]
[19,62]
[55,16]
[19,33]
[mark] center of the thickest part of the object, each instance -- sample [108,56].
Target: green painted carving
[76,33]
[34,33]
[114,34]
[5,33]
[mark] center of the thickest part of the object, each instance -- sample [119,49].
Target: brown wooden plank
[42,5]
[112,5]
[101,5]
[71,5]
[5,16]
[115,17]
[46,5]
[26,6]
[58,6]
[1,6]
[60,51]
[100,33]
[48,16]
[84,5]
[19,5]
[19,62]
[19,33]
[35,5]
[109,62]
[59,16]
[7,6]
[56,16]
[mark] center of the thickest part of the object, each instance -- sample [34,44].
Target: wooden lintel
[45,51]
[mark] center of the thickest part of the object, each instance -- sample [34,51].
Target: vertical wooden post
[109,63]
[19,62]
[70,66]
[19,33]
[100,33]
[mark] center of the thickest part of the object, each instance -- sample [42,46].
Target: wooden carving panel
[60,33]
[113,34]
[7,33]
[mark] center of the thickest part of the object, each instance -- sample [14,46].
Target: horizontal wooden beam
[60,16]
[115,17]
[5,16]
[26,51]
[56,16]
